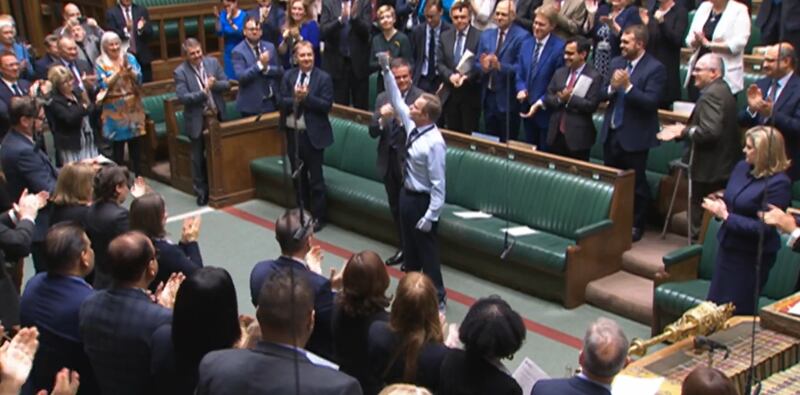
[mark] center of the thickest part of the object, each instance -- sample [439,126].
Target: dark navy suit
[317,136]
[321,341]
[626,147]
[535,81]
[115,21]
[271,27]
[5,103]
[734,270]
[117,327]
[258,89]
[176,258]
[786,114]
[571,386]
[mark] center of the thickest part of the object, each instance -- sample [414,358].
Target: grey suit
[579,131]
[269,369]
[570,17]
[462,105]
[391,152]
[713,129]
[191,93]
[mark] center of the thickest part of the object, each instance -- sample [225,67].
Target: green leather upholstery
[672,299]
[796,194]
[475,181]
[190,27]
[230,114]
[154,108]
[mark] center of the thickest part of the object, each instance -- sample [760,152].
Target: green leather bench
[570,213]
[154,108]
[688,276]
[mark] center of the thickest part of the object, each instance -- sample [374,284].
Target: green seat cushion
[363,153]
[783,275]
[334,153]
[161,129]
[360,194]
[231,113]
[154,106]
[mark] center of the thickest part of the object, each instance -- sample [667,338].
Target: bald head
[132,258]
[707,69]
[779,60]
[71,11]
[605,350]
[504,14]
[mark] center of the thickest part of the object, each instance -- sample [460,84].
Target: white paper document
[465,64]
[629,385]
[582,86]
[527,374]
[795,310]
[519,231]
[472,214]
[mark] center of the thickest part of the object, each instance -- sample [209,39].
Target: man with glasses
[255,63]
[776,98]
[712,133]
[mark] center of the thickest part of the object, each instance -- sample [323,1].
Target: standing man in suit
[200,82]
[117,324]
[84,77]
[11,86]
[297,253]
[713,134]
[26,166]
[271,17]
[346,28]
[72,12]
[391,144]
[88,45]
[306,98]
[604,354]
[497,56]
[666,23]
[778,21]
[631,121]
[131,22]
[9,42]
[424,38]
[258,71]
[287,317]
[540,57]
[461,95]
[423,194]
[42,65]
[570,16]
[571,131]
[776,98]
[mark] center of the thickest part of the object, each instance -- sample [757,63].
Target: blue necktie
[537,50]
[619,103]
[459,47]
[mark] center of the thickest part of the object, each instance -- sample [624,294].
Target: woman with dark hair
[149,216]
[409,348]
[361,302]
[205,318]
[73,194]
[491,331]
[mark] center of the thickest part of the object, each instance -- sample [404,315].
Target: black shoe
[202,200]
[318,226]
[395,259]
[637,234]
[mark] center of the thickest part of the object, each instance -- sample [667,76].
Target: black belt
[415,193]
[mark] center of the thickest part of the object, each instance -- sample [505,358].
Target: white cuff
[793,238]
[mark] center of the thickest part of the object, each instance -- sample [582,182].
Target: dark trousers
[393,183]
[133,154]
[560,147]
[460,117]
[535,135]
[428,83]
[350,89]
[420,249]
[147,72]
[699,191]
[615,156]
[37,256]
[496,121]
[311,186]
[199,168]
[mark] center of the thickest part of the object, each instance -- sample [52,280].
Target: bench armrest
[589,230]
[681,254]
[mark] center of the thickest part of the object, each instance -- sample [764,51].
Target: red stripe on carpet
[458,297]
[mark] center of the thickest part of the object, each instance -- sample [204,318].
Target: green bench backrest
[154,106]
[230,114]
[334,153]
[597,148]
[156,3]
[540,198]
[796,194]
[659,157]
[709,256]
[361,153]
[190,27]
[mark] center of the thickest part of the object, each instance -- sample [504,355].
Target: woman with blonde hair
[68,113]
[409,348]
[757,182]
[120,79]
[73,194]
[299,26]
[389,40]
[404,389]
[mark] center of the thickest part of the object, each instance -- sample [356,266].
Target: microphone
[507,249]
[704,343]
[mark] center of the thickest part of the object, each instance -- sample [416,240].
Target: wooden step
[625,294]
[644,257]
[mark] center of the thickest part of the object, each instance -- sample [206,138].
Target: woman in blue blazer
[149,215]
[762,172]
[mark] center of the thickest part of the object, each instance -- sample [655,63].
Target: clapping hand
[776,217]
[671,132]
[717,207]
[67,383]
[300,93]
[532,111]
[314,259]
[336,277]
[755,97]
[165,293]
[644,16]
[210,80]
[139,187]
[28,205]
[522,95]
[264,58]
[699,39]
[16,359]
[383,60]
[140,24]
[387,112]
[486,62]
[564,94]
[191,229]
[591,6]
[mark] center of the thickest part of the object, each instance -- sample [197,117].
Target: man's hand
[16,359]
[314,259]
[300,93]
[264,58]
[139,187]
[67,383]
[460,81]
[27,206]
[165,293]
[424,225]
[454,79]
[533,110]
[88,79]
[785,222]
[755,97]
[210,80]
[387,112]
[766,108]
[644,16]
[564,95]
[671,132]
[486,62]
[522,95]
[140,24]
[191,229]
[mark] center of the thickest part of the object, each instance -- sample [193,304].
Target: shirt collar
[9,83]
[579,70]
[544,40]
[465,32]
[784,80]
[637,60]
[604,385]
[298,260]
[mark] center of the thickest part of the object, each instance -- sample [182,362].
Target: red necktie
[562,126]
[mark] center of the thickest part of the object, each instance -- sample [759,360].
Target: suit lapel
[788,91]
